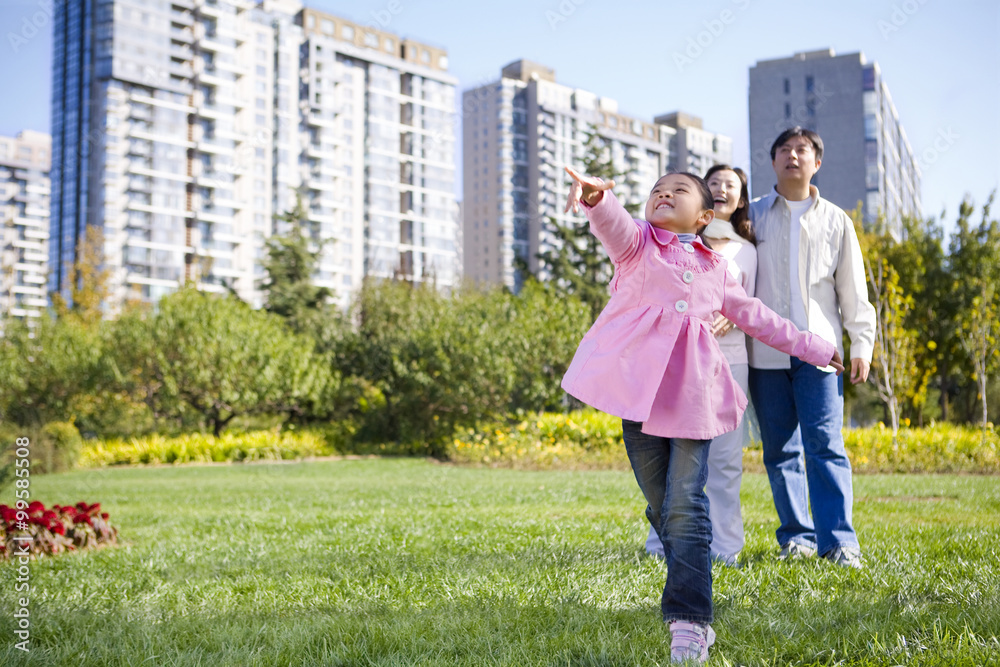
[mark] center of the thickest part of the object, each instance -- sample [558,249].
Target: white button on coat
[687,277]
[681,306]
[688,247]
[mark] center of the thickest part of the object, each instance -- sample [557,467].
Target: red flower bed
[54,530]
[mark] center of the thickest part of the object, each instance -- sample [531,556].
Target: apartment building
[518,135]
[867,157]
[187,129]
[24,214]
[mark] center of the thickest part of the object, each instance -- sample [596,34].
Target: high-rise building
[380,145]
[866,158]
[518,135]
[24,223]
[187,129]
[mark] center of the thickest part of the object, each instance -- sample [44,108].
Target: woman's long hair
[741,216]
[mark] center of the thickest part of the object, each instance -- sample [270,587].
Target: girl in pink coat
[651,358]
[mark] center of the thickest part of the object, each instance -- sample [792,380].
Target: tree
[576,263]
[291,267]
[974,268]
[87,281]
[215,357]
[896,375]
[429,364]
[45,366]
[979,334]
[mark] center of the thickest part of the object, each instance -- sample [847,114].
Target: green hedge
[204,448]
[581,439]
[592,439]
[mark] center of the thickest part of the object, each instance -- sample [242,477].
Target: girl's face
[726,188]
[676,204]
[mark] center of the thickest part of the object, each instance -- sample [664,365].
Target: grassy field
[407,562]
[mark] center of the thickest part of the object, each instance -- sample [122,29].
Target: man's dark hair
[798,131]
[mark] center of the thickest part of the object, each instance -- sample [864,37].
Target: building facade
[867,158]
[518,135]
[24,214]
[188,129]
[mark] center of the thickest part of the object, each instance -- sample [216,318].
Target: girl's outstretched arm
[756,319]
[590,189]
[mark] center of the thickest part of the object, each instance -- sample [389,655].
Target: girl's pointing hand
[588,188]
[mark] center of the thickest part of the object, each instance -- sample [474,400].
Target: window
[371,39]
[327,27]
[788,110]
[788,86]
[311,21]
[809,84]
[347,32]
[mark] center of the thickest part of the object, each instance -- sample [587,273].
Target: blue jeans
[672,473]
[801,414]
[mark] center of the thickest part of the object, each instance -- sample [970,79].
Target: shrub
[580,439]
[57,447]
[204,448]
[941,447]
[588,438]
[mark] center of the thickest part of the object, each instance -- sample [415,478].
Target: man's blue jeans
[671,473]
[801,414]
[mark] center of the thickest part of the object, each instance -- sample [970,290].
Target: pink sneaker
[690,641]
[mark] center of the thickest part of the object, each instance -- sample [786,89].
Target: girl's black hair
[741,216]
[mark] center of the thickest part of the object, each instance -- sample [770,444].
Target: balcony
[214,144]
[233,67]
[214,179]
[181,18]
[323,216]
[213,110]
[208,214]
[321,185]
[217,44]
[320,119]
[321,152]
[180,69]
[181,35]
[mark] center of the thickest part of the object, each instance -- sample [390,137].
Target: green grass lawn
[404,562]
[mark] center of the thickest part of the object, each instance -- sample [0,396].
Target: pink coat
[651,356]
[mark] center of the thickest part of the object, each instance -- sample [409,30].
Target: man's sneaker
[845,556]
[690,641]
[793,550]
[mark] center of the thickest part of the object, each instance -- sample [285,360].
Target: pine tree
[290,265]
[577,263]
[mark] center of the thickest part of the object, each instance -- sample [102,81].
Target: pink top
[651,356]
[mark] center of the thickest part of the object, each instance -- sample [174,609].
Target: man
[810,270]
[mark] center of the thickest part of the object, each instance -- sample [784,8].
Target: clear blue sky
[940,61]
